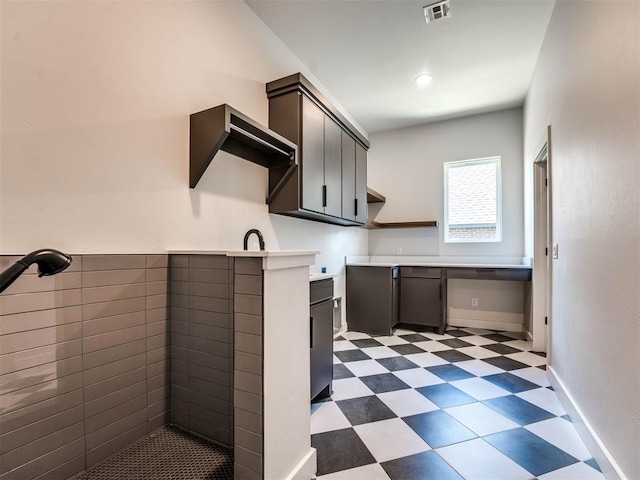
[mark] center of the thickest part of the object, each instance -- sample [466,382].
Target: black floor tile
[366,342]
[406,349]
[384,382]
[500,348]
[450,372]
[365,410]
[438,428]
[445,395]
[593,464]
[394,364]
[505,363]
[542,367]
[518,410]
[453,356]
[458,333]
[567,418]
[496,337]
[340,371]
[423,466]
[340,450]
[414,337]
[530,451]
[511,383]
[352,356]
[339,337]
[455,343]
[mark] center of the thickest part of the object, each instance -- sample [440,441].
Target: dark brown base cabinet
[372,299]
[422,290]
[321,337]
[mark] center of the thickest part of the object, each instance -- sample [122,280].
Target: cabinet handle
[311,332]
[355,202]
[324,195]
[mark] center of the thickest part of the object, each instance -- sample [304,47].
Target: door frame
[542,275]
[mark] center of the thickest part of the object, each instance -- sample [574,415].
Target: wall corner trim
[610,468]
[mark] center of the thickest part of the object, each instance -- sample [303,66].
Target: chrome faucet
[248,234]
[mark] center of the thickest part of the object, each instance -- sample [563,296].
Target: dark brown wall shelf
[375,197]
[225,128]
[425,224]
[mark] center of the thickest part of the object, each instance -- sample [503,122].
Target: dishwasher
[421,293]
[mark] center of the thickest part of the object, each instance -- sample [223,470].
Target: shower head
[49,262]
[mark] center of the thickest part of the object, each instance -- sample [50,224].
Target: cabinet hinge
[546,251]
[324,195]
[355,206]
[546,182]
[546,320]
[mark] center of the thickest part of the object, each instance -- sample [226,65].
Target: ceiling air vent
[436,11]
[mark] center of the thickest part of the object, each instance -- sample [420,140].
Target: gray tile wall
[202,345]
[248,371]
[84,363]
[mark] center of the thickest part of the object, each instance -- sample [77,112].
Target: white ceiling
[368,52]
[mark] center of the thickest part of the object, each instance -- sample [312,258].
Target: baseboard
[306,469]
[610,469]
[507,322]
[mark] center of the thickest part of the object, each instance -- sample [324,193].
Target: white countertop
[320,276]
[435,261]
[247,253]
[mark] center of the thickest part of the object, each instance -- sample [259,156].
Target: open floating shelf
[425,224]
[375,197]
[225,128]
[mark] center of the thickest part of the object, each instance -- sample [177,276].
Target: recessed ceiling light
[423,79]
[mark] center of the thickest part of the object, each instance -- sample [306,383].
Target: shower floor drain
[168,453]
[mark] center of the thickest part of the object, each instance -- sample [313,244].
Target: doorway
[542,249]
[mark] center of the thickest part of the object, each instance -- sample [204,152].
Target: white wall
[586,85]
[95,105]
[405,165]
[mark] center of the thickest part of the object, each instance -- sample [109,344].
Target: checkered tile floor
[469,404]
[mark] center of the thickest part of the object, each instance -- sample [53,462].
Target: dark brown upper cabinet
[330,183]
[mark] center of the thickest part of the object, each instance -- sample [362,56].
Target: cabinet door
[332,167]
[420,301]
[321,346]
[312,164]
[348,176]
[361,184]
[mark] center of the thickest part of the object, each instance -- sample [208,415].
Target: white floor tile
[563,435]
[363,368]
[390,439]
[477,340]
[342,345]
[436,336]
[417,377]
[368,472]
[514,335]
[403,331]
[407,402]
[349,388]
[477,460]
[533,374]
[544,398]
[528,358]
[477,352]
[479,368]
[336,360]
[355,335]
[328,417]
[432,346]
[426,359]
[479,389]
[523,345]
[380,352]
[392,340]
[476,331]
[577,471]
[481,419]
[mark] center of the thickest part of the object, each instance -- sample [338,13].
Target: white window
[473,201]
